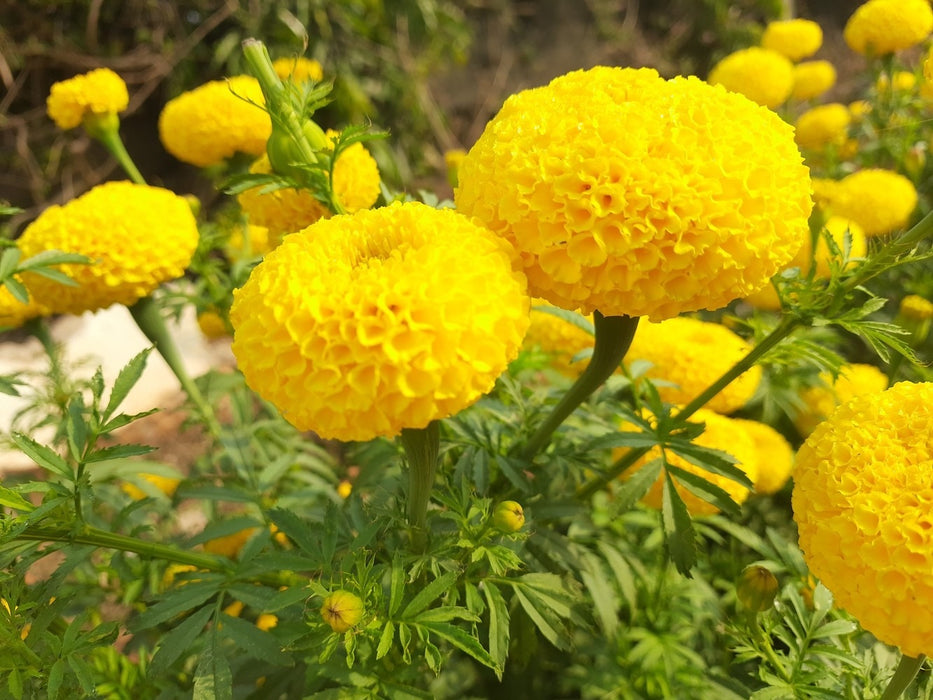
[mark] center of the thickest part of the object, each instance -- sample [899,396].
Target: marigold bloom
[763,76]
[256,242]
[136,236]
[812,79]
[298,69]
[560,339]
[721,433]
[613,208]
[266,621]
[209,124]
[692,354]
[98,92]
[820,401]
[356,186]
[916,307]
[838,228]
[902,80]
[342,610]
[823,125]
[166,484]
[362,325]
[793,38]
[212,324]
[880,201]
[884,26]
[863,485]
[775,455]
[229,545]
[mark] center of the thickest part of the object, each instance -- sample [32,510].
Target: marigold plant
[99,92]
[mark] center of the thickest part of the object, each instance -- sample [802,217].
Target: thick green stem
[421,446]
[148,317]
[613,337]
[904,675]
[113,143]
[110,540]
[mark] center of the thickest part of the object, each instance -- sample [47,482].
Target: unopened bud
[508,516]
[342,610]
[756,588]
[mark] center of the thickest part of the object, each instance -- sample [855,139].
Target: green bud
[508,516]
[756,588]
[284,153]
[342,610]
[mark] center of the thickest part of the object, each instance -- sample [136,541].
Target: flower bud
[508,516]
[756,588]
[342,610]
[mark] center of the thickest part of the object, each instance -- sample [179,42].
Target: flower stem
[421,446]
[148,317]
[613,337]
[907,669]
[113,143]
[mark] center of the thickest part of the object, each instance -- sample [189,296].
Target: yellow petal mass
[99,92]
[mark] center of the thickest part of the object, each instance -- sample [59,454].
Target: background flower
[611,210]
[362,325]
[793,38]
[99,92]
[298,69]
[885,26]
[762,75]
[820,401]
[775,455]
[209,124]
[136,236]
[823,125]
[558,338]
[880,201]
[812,79]
[863,485]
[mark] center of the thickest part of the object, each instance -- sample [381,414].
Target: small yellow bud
[266,621]
[344,489]
[342,610]
[508,516]
[756,588]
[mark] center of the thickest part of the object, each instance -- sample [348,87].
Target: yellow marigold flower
[691,354]
[166,484]
[721,433]
[821,126]
[344,489]
[342,610]
[863,486]
[229,545]
[880,201]
[915,316]
[256,242]
[765,299]
[266,621]
[98,93]
[775,455]
[916,307]
[558,338]
[235,608]
[820,401]
[859,109]
[356,185]
[903,81]
[611,207]
[838,227]
[762,75]
[136,236]
[209,124]
[212,325]
[812,79]
[364,324]
[298,69]
[825,191]
[884,26]
[793,38]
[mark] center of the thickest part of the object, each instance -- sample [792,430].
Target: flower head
[823,125]
[775,455]
[209,124]
[166,485]
[508,516]
[97,93]
[364,324]
[884,26]
[229,545]
[916,307]
[249,241]
[342,610]
[212,324]
[721,433]
[820,401]
[880,201]
[812,79]
[863,488]
[298,69]
[690,355]
[762,75]
[356,186]
[793,38]
[136,237]
[615,209]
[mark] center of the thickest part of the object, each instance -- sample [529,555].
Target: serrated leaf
[499,632]
[540,620]
[703,488]
[212,677]
[17,289]
[124,382]
[571,317]
[622,572]
[386,639]
[179,640]
[834,628]
[636,485]
[44,456]
[8,261]
[678,528]
[604,596]
[712,460]
[429,594]
[11,499]
[121,419]
[186,597]
[622,439]
[53,257]
[445,613]
[462,641]
[117,452]
[55,275]
[253,641]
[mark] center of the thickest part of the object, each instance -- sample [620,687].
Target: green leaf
[571,317]
[462,641]
[121,419]
[83,673]
[254,641]
[498,625]
[633,488]
[834,628]
[715,461]
[540,618]
[429,594]
[117,452]
[55,275]
[622,439]
[446,613]
[397,587]
[386,639]
[604,596]
[17,289]
[621,572]
[179,640]
[124,382]
[708,491]
[212,678]
[186,597]
[678,527]
[43,456]
[56,676]
[11,499]
[53,257]
[8,262]
[76,427]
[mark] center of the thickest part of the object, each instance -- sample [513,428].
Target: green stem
[907,669]
[613,337]
[110,540]
[421,446]
[113,143]
[148,317]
